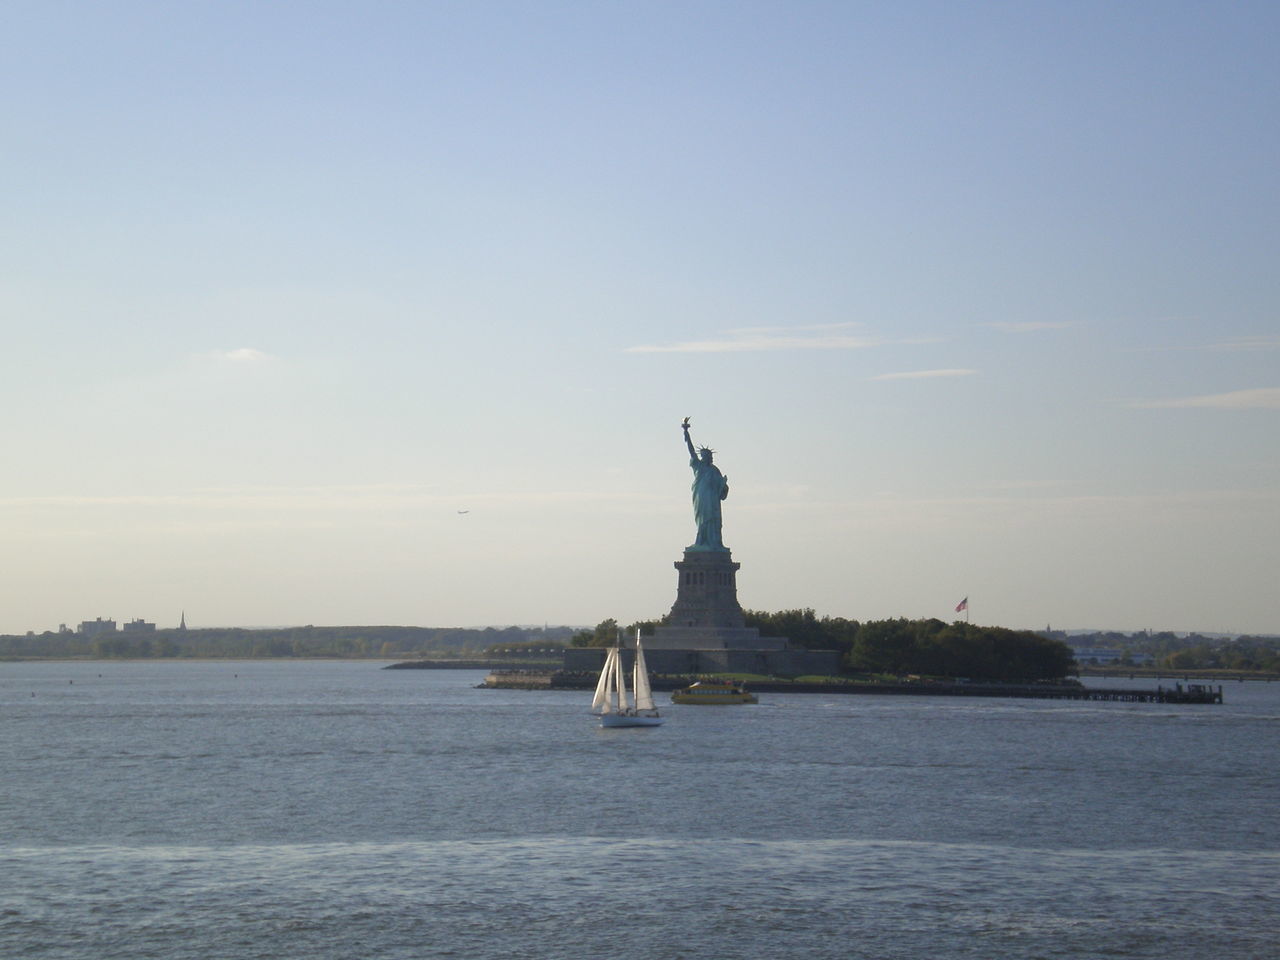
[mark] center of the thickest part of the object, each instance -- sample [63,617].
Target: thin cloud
[1029,326]
[1263,398]
[926,374]
[1246,344]
[238,364]
[341,497]
[778,500]
[801,327]
[759,339]
[235,362]
[242,355]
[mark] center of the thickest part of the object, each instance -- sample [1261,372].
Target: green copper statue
[710,486]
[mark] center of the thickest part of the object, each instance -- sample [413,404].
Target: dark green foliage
[606,633]
[924,647]
[933,648]
[891,646]
[804,629]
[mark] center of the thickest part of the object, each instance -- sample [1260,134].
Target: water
[337,810]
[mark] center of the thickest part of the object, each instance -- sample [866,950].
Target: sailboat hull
[616,720]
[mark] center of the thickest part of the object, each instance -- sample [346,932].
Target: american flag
[962,605]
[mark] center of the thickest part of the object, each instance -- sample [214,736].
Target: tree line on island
[899,646]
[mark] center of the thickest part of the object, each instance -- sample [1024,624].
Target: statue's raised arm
[710,486]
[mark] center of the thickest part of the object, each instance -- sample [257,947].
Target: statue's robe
[709,488]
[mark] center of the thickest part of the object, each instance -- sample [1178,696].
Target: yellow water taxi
[713,692]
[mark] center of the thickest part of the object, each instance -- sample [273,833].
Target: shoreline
[1191,694]
[506,666]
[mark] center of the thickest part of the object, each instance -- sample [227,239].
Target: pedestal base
[706,614]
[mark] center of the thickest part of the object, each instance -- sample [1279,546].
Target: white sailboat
[614,704]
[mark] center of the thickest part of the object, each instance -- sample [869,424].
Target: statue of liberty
[710,486]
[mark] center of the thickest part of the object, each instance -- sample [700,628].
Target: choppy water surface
[335,810]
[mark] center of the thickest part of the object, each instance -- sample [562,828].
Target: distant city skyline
[122,626]
[357,314]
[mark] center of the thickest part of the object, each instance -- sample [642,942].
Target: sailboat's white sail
[640,680]
[603,702]
[620,680]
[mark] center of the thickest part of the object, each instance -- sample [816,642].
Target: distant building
[1098,656]
[91,628]
[139,626]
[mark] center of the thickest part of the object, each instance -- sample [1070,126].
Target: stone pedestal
[706,614]
[707,591]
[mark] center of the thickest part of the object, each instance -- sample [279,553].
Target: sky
[389,312]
